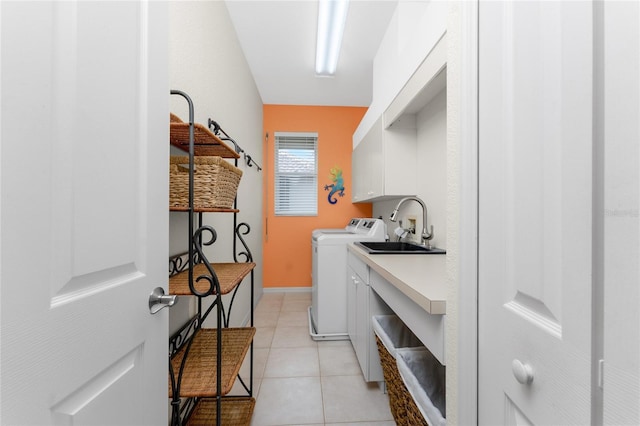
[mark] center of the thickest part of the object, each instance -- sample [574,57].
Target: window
[296,174]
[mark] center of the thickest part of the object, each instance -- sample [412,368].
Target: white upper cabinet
[384,163]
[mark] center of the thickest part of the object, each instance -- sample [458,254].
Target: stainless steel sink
[393,247]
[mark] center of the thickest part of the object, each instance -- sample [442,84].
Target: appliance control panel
[371,227]
[354,222]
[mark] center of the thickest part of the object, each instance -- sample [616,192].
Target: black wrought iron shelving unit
[205,362]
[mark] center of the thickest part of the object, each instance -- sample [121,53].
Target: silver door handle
[158,300]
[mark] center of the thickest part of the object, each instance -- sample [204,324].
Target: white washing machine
[328,310]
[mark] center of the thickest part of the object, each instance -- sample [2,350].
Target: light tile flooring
[298,381]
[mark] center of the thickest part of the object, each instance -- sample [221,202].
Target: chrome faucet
[426,236]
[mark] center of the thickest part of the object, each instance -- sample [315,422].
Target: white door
[535,221]
[84,220]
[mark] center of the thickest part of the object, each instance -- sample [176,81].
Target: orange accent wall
[287,240]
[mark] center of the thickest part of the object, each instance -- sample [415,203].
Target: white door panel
[84,212]
[535,202]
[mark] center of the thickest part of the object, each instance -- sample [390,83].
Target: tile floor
[298,381]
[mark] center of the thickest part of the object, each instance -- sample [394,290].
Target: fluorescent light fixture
[332,15]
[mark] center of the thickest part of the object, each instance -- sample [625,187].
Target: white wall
[462,219]
[452,330]
[432,163]
[206,62]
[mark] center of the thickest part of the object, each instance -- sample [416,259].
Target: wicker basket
[404,410]
[397,336]
[425,381]
[236,411]
[215,183]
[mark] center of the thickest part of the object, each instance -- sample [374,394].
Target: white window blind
[296,174]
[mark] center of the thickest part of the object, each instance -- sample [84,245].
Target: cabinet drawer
[358,266]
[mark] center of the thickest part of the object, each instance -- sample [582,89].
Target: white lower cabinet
[362,304]
[396,289]
[352,281]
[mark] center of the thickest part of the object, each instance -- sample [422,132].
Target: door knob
[522,372]
[158,300]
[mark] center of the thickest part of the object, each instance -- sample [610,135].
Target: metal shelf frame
[182,341]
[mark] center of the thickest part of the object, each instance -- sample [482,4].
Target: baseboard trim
[286,289]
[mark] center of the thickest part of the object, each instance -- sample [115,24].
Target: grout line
[324,410]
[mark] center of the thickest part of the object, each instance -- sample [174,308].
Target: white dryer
[328,310]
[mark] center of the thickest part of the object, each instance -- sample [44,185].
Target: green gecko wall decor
[336,186]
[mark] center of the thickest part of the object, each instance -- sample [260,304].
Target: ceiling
[279,39]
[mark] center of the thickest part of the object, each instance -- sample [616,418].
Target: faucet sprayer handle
[426,237]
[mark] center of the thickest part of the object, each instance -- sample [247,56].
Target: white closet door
[84,216]
[535,203]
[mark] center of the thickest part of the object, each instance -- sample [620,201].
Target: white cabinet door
[368,165]
[535,203]
[359,173]
[376,170]
[384,162]
[84,212]
[352,282]
[362,326]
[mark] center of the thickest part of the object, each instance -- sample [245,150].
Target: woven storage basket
[396,389]
[414,417]
[235,412]
[215,182]
[425,380]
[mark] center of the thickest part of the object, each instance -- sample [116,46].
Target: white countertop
[421,277]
